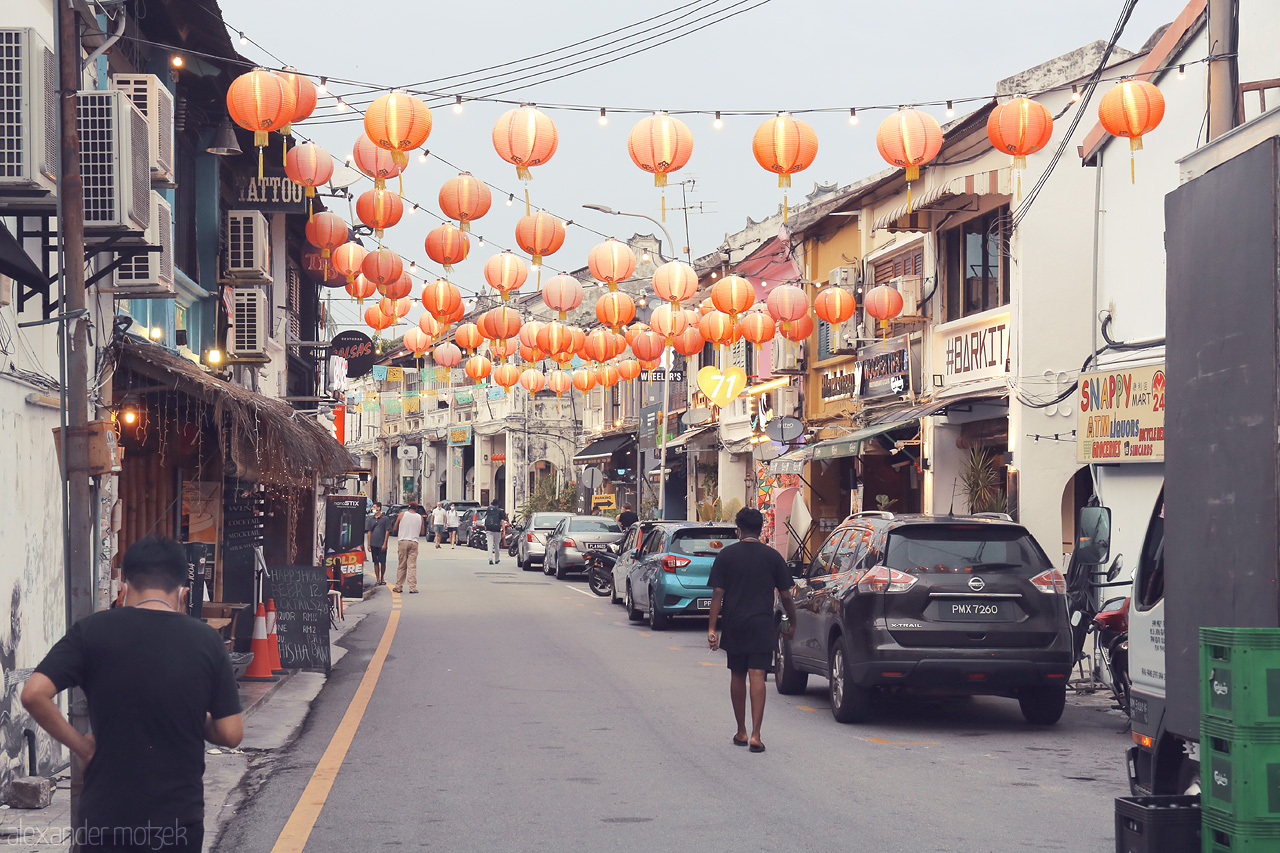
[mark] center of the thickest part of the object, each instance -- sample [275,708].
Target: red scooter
[1111,624]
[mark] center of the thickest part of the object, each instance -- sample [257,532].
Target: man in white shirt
[408,529]
[452,520]
[437,522]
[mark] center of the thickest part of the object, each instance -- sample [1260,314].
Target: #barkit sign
[1121,416]
[978,349]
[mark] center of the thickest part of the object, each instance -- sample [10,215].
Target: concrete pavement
[517,712]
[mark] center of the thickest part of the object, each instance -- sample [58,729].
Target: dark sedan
[572,537]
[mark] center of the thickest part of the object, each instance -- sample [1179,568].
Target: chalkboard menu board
[302,615]
[242,528]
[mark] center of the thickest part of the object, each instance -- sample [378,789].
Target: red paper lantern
[733,295]
[689,341]
[628,369]
[304,98]
[648,345]
[525,137]
[633,330]
[798,329]
[505,273]
[397,289]
[465,199]
[447,355]
[447,245]
[834,305]
[308,165]
[506,375]
[500,323]
[884,303]
[675,281]
[787,302]
[668,321]
[1020,127]
[1133,108]
[382,266]
[559,381]
[375,162]
[441,298]
[361,288]
[611,262]
[326,231]
[562,293]
[555,338]
[393,308]
[909,139]
[532,380]
[262,102]
[719,328]
[757,327]
[785,145]
[660,144]
[540,234]
[608,375]
[375,319]
[584,379]
[416,341]
[398,123]
[430,326]
[615,309]
[468,337]
[347,258]
[478,368]
[380,209]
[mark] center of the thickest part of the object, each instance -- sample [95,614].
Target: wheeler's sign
[1121,416]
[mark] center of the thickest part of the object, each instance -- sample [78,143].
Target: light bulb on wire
[853,115]
[457,104]
[422,156]
[340,106]
[718,122]
[511,199]
[1075,93]
[951,110]
[243,38]
[604,117]
[323,88]
[1182,72]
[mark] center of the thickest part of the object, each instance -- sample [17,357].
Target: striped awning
[913,215]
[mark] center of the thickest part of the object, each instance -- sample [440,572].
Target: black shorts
[379,555]
[739,664]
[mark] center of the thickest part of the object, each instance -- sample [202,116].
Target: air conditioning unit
[785,401]
[844,336]
[788,356]
[114,163]
[150,275]
[28,119]
[247,337]
[248,247]
[843,276]
[156,103]
[912,289]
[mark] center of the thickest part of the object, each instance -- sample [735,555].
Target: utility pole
[74,351]
[1224,70]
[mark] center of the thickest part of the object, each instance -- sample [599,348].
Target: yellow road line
[674,648]
[806,708]
[293,838]
[707,663]
[905,742]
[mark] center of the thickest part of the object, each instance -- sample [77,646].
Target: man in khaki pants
[408,529]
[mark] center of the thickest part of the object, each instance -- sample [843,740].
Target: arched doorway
[500,485]
[1075,494]
[539,471]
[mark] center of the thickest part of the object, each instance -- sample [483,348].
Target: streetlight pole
[666,374]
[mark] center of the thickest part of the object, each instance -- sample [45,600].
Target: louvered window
[295,304]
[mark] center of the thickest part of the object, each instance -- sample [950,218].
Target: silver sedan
[531,548]
[572,537]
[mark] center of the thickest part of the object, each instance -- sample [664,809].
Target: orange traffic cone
[273,640]
[260,667]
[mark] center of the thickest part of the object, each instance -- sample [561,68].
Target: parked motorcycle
[600,569]
[1111,624]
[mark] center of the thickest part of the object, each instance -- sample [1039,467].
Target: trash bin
[1168,824]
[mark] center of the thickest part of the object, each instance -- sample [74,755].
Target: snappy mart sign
[1121,416]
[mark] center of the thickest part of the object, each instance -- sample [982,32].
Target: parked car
[468,526]
[669,573]
[574,535]
[630,545]
[953,604]
[531,546]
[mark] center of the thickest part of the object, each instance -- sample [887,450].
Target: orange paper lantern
[529,355]
[562,357]
[757,327]
[584,379]
[600,345]
[416,341]
[834,305]
[615,309]
[376,162]
[540,234]
[532,380]
[375,319]
[689,341]
[397,289]
[500,323]
[1020,127]
[393,308]
[262,102]
[398,123]
[441,298]
[465,199]
[555,338]
[382,266]
[430,326]
[506,375]
[785,145]
[505,273]
[447,355]
[884,303]
[525,137]
[577,341]
[380,209]
[304,98]
[648,345]
[668,321]
[628,369]
[559,381]
[909,139]
[660,144]
[611,262]
[733,295]
[675,281]
[787,302]
[1133,108]
[308,165]
[529,332]
[608,375]
[798,329]
[361,288]
[347,258]
[478,368]
[633,330]
[468,336]
[719,328]
[326,231]
[447,245]
[562,293]
[705,307]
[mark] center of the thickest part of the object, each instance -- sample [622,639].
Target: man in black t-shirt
[627,517]
[744,577]
[159,684]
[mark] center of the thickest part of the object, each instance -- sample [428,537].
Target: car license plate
[704,604]
[595,547]
[976,611]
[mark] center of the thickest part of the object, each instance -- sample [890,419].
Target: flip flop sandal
[737,742]
[757,747]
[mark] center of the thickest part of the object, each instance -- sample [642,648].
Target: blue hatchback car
[669,575]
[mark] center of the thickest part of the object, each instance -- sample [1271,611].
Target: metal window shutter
[824,339]
[738,354]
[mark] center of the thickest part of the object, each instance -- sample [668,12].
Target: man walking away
[494,519]
[627,517]
[437,522]
[408,528]
[159,684]
[379,538]
[452,521]
[744,577]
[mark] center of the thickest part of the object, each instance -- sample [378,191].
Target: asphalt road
[516,712]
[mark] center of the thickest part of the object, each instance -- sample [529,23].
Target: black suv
[947,604]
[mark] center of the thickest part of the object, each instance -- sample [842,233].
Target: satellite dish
[696,417]
[591,477]
[784,429]
[343,177]
[765,451]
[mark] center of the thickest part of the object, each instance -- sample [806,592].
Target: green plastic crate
[1223,835]
[1240,771]
[1240,675]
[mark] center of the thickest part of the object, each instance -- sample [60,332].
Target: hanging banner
[442,374]
[379,373]
[369,405]
[412,404]
[462,396]
[460,436]
[496,392]
[1121,416]
[395,374]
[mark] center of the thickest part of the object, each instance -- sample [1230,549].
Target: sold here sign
[1121,416]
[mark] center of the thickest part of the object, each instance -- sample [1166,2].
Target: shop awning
[685,437]
[791,462]
[851,444]
[602,449]
[913,215]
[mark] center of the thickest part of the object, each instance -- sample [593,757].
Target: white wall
[1259,59]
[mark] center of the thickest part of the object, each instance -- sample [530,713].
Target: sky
[775,55]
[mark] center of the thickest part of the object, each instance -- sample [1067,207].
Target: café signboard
[883,368]
[1121,416]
